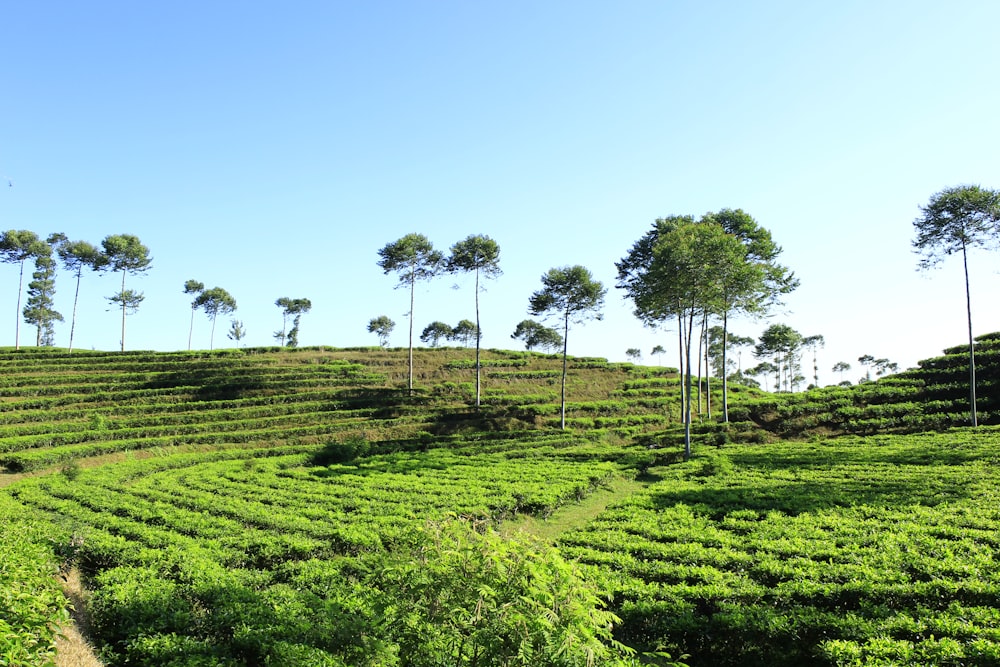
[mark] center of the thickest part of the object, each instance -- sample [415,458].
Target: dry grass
[72,648]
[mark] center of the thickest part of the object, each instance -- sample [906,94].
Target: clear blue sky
[273,148]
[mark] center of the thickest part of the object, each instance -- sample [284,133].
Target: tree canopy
[40,310]
[381,326]
[435,332]
[684,269]
[781,343]
[465,332]
[534,334]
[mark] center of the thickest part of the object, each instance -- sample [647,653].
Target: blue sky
[272,150]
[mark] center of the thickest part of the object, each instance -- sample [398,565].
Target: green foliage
[381,326]
[465,596]
[435,332]
[237,331]
[859,550]
[537,335]
[955,220]
[782,343]
[16,247]
[71,470]
[294,308]
[254,551]
[75,256]
[465,332]
[215,301]
[343,451]
[31,604]
[572,294]
[569,293]
[40,307]
[413,258]
[125,253]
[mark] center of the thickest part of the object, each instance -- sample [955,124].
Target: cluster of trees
[568,293]
[413,258]
[697,273]
[295,309]
[215,301]
[693,272]
[118,253]
[465,332]
[781,347]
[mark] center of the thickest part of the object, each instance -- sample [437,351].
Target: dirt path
[72,648]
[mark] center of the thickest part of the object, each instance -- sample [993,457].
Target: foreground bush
[31,604]
[464,597]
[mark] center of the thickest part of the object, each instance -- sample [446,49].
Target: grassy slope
[85,411]
[779,500]
[935,395]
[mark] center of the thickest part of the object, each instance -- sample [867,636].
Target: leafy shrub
[460,593]
[714,464]
[343,451]
[31,604]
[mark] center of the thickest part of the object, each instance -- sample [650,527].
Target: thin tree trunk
[972,347]
[708,371]
[478,337]
[413,289]
[725,366]
[211,340]
[701,356]
[687,401]
[76,298]
[680,359]
[191,330]
[17,322]
[123,311]
[562,401]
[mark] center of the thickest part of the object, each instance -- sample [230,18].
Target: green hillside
[57,407]
[933,396]
[300,507]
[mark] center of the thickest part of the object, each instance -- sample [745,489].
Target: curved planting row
[186,554]
[860,551]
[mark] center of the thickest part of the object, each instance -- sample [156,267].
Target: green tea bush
[343,451]
[463,595]
[31,605]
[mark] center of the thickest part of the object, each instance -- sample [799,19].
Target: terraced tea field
[258,507]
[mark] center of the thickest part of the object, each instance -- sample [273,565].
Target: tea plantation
[280,507]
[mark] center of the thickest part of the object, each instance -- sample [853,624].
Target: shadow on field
[868,451]
[794,483]
[213,384]
[796,497]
